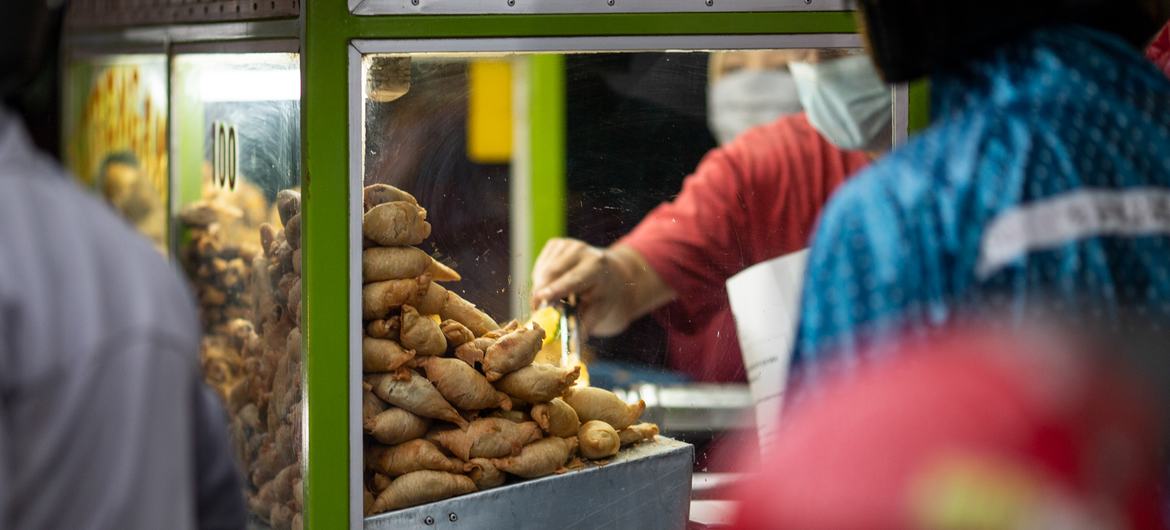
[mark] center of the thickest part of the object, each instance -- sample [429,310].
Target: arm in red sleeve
[694,242]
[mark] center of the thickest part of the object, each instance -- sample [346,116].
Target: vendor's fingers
[558,266]
[580,278]
[550,271]
[554,260]
[551,248]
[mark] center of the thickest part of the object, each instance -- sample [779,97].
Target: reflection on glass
[458,135]
[116,123]
[237,137]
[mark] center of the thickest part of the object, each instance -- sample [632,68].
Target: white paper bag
[765,300]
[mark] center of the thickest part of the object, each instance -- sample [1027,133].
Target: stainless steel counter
[645,487]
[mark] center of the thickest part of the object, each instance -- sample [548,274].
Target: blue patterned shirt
[1044,180]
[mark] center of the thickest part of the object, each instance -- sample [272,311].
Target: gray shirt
[104,420]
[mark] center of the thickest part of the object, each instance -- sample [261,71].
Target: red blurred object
[966,432]
[1159,50]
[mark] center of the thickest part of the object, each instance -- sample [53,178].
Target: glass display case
[507,143]
[115,123]
[237,174]
[268,134]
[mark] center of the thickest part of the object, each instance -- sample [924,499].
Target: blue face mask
[846,101]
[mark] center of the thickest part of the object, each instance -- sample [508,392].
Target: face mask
[846,102]
[744,99]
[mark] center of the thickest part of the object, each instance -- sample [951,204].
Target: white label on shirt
[1052,223]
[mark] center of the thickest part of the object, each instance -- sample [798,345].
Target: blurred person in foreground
[753,199]
[104,420]
[1044,179]
[958,433]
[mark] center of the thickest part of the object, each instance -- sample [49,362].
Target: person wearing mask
[1042,185]
[104,420]
[753,199]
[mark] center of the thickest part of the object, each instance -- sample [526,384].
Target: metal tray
[645,487]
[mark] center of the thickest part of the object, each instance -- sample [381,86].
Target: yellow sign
[489,115]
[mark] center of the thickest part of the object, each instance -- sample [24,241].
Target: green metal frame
[326,29]
[546,112]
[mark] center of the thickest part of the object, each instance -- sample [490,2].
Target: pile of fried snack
[453,403]
[243,275]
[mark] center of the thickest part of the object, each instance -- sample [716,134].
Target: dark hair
[912,38]
[121,158]
[28,32]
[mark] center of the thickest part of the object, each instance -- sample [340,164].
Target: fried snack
[393,263]
[381,355]
[437,300]
[557,418]
[464,312]
[376,194]
[516,416]
[384,328]
[431,299]
[593,403]
[440,272]
[637,433]
[540,458]
[421,487]
[288,205]
[294,301]
[512,352]
[473,352]
[421,334]
[379,482]
[415,455]
[292,232]
[397,223]
[457,334]
[538,383]
[367,501]
[380,298]
[280,488]
[394,426]
[415,394]
[462,385]
[487,438]
[280,516]
[597,440]
[371,405]
[484,473]
[495,334]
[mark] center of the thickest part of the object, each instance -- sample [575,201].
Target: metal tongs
[570,331]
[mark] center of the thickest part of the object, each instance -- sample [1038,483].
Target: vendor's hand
[569,266]
[614,286]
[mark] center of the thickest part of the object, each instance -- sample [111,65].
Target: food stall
[357,193]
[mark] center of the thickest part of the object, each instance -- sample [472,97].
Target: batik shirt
[1044,180]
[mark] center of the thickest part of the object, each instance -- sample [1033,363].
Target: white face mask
[846,102]
[744,99]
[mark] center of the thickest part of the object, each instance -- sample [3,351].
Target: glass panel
[116,126]
[501,149]
[237,139]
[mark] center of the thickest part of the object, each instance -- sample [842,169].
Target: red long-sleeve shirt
[749,201]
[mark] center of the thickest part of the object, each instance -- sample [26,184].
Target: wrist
[643,290]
